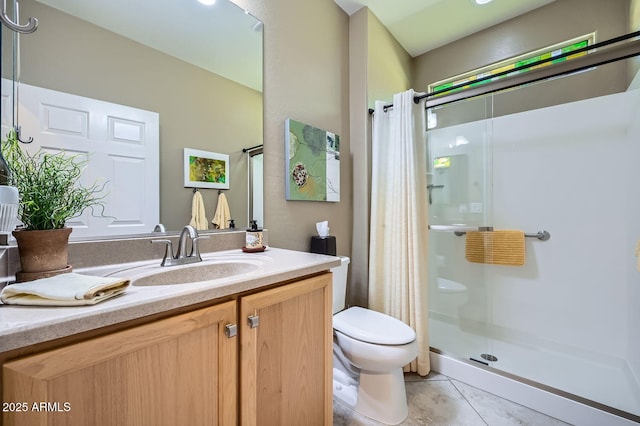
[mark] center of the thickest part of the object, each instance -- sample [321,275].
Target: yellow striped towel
[504,247]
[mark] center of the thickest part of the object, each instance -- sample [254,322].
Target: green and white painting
[313,163]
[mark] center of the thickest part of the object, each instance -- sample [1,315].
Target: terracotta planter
[42,253]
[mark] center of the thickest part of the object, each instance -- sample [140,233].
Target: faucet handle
[168,252]
[195,252]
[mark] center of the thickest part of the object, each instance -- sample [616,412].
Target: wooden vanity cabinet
[176,371]
[184,370]
[286,352]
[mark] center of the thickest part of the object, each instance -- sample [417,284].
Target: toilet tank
[340,284]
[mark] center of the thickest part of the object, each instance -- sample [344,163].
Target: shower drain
[489,357]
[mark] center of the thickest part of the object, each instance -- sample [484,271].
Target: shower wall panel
[633,196]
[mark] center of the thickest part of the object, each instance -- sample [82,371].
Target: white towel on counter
[223,215]
[70,289]
[198,215]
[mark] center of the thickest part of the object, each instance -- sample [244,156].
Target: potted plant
[49,195]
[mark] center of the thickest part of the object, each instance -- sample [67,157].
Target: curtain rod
[593,59]
[253,148]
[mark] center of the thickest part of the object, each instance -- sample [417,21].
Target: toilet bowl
[370,349]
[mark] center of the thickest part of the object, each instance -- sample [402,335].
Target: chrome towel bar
[541,235]
[460,230]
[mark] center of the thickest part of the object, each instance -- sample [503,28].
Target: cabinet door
[176,371]
[286,355]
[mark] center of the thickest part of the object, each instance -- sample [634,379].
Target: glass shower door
[567,317]
[460,199]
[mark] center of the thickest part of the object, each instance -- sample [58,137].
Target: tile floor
[439,400]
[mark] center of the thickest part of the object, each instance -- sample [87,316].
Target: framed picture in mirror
[204,169]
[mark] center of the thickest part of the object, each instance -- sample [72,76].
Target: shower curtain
[399,228]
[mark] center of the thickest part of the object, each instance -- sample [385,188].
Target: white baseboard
[551,404]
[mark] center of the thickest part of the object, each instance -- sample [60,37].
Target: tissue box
[323,245]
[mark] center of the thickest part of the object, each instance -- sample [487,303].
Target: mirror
[199,67]
[450,177]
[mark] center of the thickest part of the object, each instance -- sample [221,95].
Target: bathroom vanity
[250,348]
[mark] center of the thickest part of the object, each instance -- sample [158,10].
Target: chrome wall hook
[19,138]
[29,27]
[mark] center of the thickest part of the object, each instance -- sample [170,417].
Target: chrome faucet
[181,257]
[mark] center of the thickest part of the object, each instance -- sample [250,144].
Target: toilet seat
[372,327]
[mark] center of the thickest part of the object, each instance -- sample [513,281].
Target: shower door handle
[460,228]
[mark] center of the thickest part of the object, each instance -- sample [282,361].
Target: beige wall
[360,131]
[379,68]
[306,77]
[198,109]
[389,64]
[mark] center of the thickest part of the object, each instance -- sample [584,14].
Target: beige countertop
[22,326]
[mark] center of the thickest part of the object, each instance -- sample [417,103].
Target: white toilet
[369,351]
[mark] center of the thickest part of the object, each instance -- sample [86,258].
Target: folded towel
[222,216]
[638,254]
[70,289]
[198,216]
[495,247]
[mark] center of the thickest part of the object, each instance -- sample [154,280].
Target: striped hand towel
[505,247]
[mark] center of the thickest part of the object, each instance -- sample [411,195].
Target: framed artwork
[203,169]
[313,163]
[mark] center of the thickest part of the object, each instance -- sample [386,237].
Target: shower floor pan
[605,380]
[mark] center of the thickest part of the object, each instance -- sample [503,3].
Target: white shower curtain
[399,223]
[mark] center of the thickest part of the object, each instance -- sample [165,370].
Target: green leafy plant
[48,183]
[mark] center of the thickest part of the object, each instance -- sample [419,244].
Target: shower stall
[564,169]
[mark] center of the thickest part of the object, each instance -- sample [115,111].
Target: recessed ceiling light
[482,1]
[211,2]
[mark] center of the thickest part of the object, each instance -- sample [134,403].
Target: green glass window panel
[470,79]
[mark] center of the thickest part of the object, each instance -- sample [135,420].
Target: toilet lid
[372,327]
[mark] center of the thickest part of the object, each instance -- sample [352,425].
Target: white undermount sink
[207,270]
